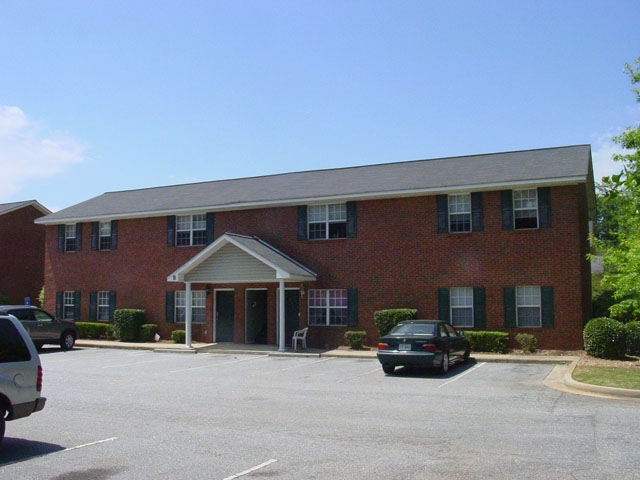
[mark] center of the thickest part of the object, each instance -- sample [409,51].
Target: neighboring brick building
[496,242]
[21,251]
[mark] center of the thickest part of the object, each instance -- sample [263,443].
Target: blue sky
[98,96]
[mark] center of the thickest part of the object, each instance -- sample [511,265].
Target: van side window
[12,346]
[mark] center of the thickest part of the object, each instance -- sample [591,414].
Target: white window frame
[195,226]
[69,305]
[529,298]
[328,307]
[525,201]
[103,306]
[198,306]
[461,299]
[104,236]
[70,240]
[459,207]
[327,221]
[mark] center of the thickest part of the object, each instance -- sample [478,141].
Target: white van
[20,373]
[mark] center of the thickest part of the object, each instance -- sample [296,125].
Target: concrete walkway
[560,378]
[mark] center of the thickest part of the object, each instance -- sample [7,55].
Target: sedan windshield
[415,329]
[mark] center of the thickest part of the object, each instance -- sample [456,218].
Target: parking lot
[116,414]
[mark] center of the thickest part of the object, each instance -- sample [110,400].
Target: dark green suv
[43,327]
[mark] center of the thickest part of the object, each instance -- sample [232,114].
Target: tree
[622,193]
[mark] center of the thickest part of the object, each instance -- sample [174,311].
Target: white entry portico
[236,258]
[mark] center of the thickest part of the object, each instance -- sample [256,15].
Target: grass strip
[609,376]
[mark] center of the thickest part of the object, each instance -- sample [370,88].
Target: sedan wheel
[388,368]
[67,341]
[444,366]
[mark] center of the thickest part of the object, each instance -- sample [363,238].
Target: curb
[610,392]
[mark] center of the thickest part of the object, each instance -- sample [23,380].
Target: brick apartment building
[496,242]
[21,251]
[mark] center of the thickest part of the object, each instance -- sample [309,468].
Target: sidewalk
[560,377]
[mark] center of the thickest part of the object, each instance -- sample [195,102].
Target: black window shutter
[352,221]
[114,234]
[78,237]
[59,299]
[170,312]
[95,235]
[479,308]
[544,207]
[352,306]
[210,222]
[112,304]
[510,313]
[302,222]
[506,200]
[61,235]
[442,205]
[477,214]
[548,309]
[444,304]
[76,305]
[93,306]
[171,231]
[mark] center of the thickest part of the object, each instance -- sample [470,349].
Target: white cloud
[602,153]
[28,152]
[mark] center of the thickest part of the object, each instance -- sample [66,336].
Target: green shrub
[93,330]
[385,320]
[528,342]
[178,336]
[127,324]
[633,338]
[482,341]
[605,338]
[354,338]
[110,332]
[148,332]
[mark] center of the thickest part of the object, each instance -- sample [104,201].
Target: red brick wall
[397,260]
[22,255]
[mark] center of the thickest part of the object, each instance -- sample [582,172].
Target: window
[191,230]
[461,306]
[103,306]
[104,242]
[69,305]
[460,213]
[528,307]
[327,221]
[70,239]
[525,208]
[328,307]
[198,306]
[12,346]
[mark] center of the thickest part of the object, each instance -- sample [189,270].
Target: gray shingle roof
[10,207]
[551,166]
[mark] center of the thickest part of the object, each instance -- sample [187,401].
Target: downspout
[281,307]
[187,320]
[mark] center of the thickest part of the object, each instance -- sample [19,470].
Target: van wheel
[67,341]
[2,425]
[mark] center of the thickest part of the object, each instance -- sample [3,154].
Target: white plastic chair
[300,335]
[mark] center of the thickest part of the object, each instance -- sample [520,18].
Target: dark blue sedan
[423,343]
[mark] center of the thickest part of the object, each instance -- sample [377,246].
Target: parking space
[129,414]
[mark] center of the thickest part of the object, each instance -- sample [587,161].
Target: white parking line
[252,469]
[458,377]
[89,444]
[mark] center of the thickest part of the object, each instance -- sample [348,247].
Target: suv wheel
[67,341]
[2,424]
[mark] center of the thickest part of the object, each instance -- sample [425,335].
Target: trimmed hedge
[178,336]
[605,338]
[93,330]
[148,332]
[354,338]
[127,323]
[482,341]
[633,338]
[385,320]
[528,342]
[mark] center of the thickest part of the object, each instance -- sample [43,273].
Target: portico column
[187,319]
[281,308]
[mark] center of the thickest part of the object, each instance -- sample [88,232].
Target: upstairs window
[70,240]
[104,242]
[525,208]
[327,221]
[460,213]
[191,230]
